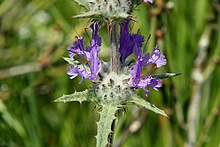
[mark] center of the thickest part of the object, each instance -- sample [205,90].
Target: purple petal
[151,1]
[157,58]
[136,70]
[155,83]
[78,49]
[146,58]
[96,40]
[95,64]
[96,43]
[129,43]
[75,71]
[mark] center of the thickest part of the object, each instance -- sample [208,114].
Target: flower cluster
[132,43]
[129,43]
[90,53]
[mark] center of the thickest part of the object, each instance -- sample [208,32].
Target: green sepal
[143,103]
[70,61]
[76,63]
[77,96]
[166,75]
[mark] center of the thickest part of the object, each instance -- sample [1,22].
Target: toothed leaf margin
[143,103]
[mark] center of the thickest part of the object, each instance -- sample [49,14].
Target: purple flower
[151,1]
[137,79]
[129,43]
[90,54]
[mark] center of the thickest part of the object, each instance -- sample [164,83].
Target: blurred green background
[34,35]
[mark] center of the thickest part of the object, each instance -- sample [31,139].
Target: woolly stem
[107,116]
[115,55]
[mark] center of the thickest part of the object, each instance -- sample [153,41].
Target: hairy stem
[115,55]
[107,117]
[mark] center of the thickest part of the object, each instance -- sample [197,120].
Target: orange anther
[141,75]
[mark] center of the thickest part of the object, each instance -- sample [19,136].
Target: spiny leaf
[166,75]
[82,3]
[77,96]
[88,15]
[141,102]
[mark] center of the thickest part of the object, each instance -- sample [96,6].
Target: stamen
[131,27]
[145,46]
[139,31]
[87,34]
[76,32]
[141,75]
[151,70]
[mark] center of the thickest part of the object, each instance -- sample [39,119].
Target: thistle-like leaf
[141,102]
[88,15]
[77,96]
[83,3]
[166,75]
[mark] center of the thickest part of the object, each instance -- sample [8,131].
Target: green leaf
[166,75]
[141,102]
[77,96]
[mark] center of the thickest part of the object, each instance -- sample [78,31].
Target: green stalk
[107,116]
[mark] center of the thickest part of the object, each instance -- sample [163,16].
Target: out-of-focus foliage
[34,35]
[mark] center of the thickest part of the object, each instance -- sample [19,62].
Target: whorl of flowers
[129,44]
